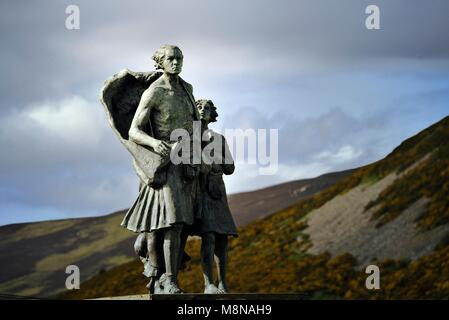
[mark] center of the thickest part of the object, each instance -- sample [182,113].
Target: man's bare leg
[172,237]
[207,262]
[221,256]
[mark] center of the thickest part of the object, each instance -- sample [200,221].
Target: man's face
[172,62]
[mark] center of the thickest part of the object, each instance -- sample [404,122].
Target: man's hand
[162,147]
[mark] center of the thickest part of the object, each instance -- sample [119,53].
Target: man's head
[168,58]
[207,110]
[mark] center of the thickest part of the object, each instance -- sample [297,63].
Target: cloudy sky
[340,95]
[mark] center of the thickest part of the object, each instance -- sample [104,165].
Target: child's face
[205,112]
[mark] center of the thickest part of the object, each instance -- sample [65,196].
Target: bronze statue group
[175,201]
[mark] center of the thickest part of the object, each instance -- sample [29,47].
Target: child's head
[207,110]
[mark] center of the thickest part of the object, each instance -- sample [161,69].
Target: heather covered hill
[248,206]
[33,256]
[393,213]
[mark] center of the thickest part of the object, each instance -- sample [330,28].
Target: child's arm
[227,165]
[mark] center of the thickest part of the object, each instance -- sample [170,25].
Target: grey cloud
[239,53]
[41,59]
[62,155]
[302,140]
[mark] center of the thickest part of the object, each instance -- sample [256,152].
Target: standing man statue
[144,109]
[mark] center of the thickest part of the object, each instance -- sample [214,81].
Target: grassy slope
[33,256]
[270,254]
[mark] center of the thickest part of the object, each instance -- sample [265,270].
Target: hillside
[249,206]
[393,213]
[33,256]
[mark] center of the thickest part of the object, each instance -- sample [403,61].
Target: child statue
[216,222]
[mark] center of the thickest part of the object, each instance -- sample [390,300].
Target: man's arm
[141,118]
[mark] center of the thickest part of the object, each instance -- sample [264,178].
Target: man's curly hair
[159,55]
[213,109]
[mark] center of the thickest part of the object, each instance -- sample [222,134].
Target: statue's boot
[172,288]
[222,288]
[168,286]
[211,289]
[151,272]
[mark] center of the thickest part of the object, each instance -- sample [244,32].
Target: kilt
[177,201]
